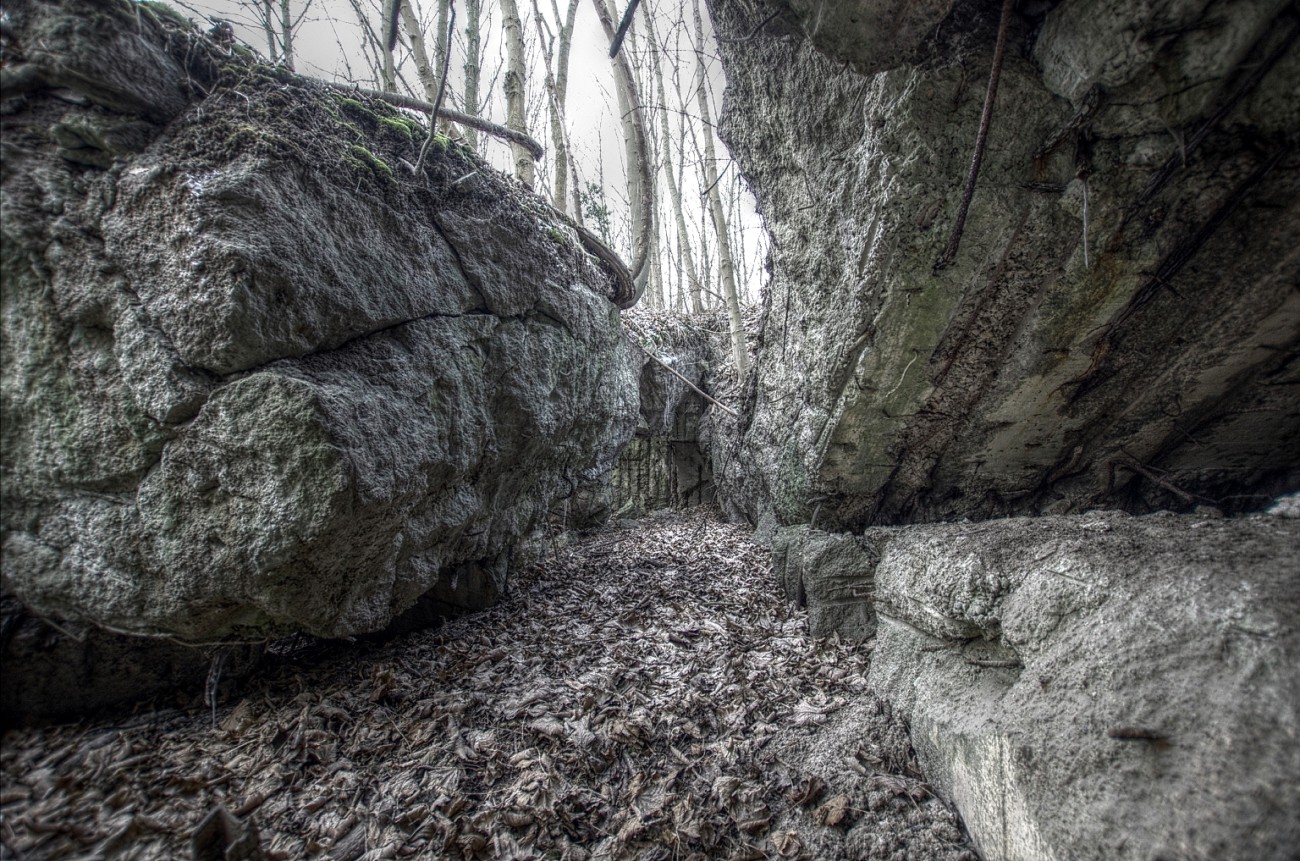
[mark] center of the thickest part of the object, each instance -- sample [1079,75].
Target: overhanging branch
[534,148]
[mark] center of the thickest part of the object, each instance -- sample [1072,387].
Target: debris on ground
[642,694]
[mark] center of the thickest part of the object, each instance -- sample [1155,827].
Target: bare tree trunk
[639,162]
[473,63]
[268,22]
[559,135]
[442,44]
[425,71]
[575,190]
[286,33]
[737,237]
[514,88]
[726,266]
[388,77]
[563,154]
[665,153]
[557,48]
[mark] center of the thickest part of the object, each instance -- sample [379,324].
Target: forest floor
[644,693]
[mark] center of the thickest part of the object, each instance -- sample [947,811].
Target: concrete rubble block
[1101,686]
[832,575]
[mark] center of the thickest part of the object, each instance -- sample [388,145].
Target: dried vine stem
[950,253]
[401,101]
[622,28]
[678,374]
[757,27]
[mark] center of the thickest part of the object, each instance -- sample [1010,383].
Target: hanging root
[1085,223]
[999,51]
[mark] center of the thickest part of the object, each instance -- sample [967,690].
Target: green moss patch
[360,157]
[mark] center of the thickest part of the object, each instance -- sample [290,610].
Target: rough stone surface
[873,35]
[1099,686]
[257,377]
[666,464]
[1120,326]
[832,575]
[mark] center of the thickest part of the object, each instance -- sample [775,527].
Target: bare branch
[414,104]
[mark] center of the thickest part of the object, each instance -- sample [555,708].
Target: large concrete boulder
[258,376]
[1120,325]
[1096,686]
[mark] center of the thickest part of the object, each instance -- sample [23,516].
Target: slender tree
[726,264]
[443,43]
[687,256]
[555,49]
[279,24]
[423,68]
[287,25]
[473,64]
[268,24]
[392,14]
[563,153]
[514,87]
[639,162]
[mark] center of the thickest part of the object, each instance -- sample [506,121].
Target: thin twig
[719,179]
[670,369]
[1151,476]
[950,253]
[442,87]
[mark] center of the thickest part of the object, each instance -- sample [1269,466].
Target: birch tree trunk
[425,71]
[514,89]
[555,96]
[268,23]
[388,77]
[559,143]
[286,34]
[473,64]
[441,46]
[726,265]
[665,153]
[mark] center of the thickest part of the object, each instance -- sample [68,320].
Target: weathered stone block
[1118,326]
[258,376]
[1101,686]
[832,575]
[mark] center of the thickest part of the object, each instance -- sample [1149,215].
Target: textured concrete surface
[832,574]
[1094,686]
[258,378]
[1120,325]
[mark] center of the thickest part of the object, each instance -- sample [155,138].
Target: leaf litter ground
[642,693]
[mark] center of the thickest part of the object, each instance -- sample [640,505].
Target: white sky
[328,43]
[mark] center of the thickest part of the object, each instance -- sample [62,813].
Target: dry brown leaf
[524,730]
[806,791]
[833,812]
[787,843]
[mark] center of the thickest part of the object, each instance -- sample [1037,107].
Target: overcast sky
[328,44]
